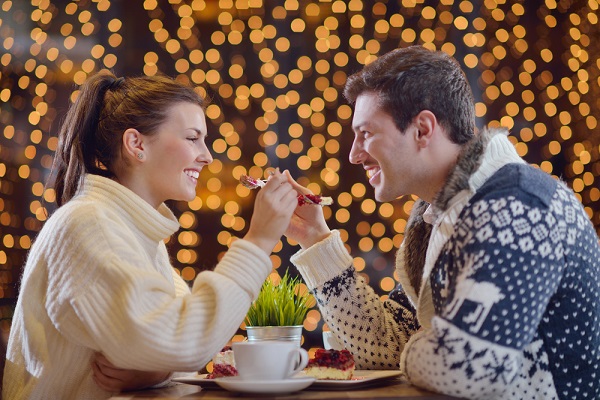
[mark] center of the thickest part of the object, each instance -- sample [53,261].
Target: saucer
[235,384]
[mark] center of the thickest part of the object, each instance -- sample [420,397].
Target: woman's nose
[204,155]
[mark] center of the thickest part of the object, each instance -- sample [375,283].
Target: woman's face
[175,155]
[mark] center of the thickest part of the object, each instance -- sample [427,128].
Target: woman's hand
[308,225]
[113,379]
[273,209]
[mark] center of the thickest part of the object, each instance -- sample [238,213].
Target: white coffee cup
[330,342]
[268,360]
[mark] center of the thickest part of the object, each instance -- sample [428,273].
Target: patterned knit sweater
[98,278]
[498,294]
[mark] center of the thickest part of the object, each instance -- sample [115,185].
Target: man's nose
[356,155]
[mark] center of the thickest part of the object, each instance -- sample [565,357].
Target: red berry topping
[332,358]
[309,199]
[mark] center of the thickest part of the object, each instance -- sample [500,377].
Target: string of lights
[274,73]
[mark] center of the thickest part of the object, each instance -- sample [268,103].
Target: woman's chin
[189,198]
[184,197]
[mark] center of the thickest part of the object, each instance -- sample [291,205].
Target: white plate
[359,378]
[236,384]
[200,379]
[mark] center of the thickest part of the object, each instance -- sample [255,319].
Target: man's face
[389,156]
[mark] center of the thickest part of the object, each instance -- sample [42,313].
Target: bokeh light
[275,75]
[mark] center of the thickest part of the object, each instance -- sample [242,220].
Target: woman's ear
[133,144]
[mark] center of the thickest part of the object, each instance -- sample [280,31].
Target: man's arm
[374,331]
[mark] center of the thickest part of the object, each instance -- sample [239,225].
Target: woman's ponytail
[76,152]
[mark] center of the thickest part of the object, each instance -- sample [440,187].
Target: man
[499,269]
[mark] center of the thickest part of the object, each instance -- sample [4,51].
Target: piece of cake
[314,199]
[331,364]
[303,199]
[223,364]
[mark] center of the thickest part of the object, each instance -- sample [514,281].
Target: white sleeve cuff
[322,261]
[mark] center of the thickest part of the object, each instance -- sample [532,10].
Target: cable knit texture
[501,303]
[98,278]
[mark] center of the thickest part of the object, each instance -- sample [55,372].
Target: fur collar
[417,233]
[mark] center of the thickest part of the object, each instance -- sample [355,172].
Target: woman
[99,295]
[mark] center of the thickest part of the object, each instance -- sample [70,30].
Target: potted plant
[278,312]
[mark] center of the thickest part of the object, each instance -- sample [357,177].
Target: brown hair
[414,79]
[90,136]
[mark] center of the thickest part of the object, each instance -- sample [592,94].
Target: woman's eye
[194,139]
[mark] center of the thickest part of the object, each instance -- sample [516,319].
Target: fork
[252,183]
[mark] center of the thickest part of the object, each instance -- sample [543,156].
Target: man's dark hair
[414,79]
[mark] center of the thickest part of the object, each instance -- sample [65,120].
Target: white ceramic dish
[236,384]
[361,378]
[200,380]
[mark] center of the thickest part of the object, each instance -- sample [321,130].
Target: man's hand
[308,225]
[113,379]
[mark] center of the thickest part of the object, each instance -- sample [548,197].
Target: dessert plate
[360,378]
[236,384]
[200,379]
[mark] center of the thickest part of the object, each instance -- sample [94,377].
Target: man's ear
[133,144]
[425,124]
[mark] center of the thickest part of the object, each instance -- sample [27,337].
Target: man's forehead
[368,97]
[367,104]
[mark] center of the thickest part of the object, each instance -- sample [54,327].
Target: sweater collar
[156,224]
[478,160]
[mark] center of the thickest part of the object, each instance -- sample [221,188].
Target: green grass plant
[279,304]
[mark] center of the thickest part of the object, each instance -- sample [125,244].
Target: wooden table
[394,389]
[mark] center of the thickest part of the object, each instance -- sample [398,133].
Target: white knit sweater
[99,279]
